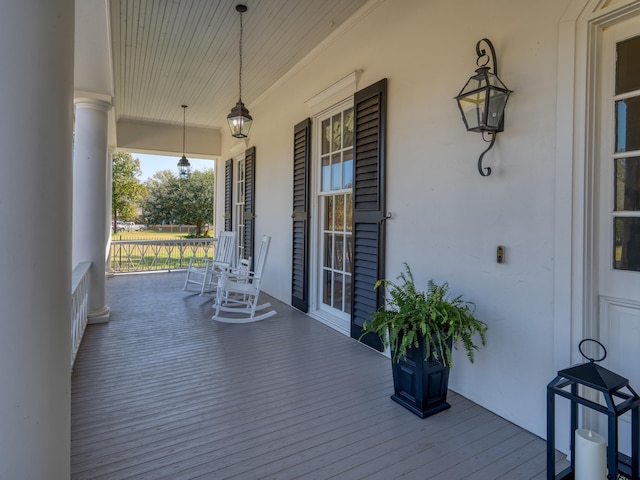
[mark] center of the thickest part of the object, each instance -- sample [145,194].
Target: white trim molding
[334,93]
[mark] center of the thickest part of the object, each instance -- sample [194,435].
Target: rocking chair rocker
[238,291]
[206,276]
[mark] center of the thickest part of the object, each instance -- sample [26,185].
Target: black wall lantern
[239,118]
[482,100]
[575,383]
[184,167]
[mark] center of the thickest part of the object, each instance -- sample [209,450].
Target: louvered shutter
[249,202]
[369,206]
[228,195]
[300,215]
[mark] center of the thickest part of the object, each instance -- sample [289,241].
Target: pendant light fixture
[184,167]
[239,118]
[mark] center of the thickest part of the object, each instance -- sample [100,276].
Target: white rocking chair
[238,291]
[206,277]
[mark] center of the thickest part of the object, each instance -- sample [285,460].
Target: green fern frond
[410,315]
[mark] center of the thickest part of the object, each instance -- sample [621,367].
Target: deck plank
[164,392]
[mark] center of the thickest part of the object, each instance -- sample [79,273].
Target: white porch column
[89,198]
[36,133]
[108,211]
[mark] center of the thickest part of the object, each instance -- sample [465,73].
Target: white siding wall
[447,219]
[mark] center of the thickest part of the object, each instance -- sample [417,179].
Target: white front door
[617,203]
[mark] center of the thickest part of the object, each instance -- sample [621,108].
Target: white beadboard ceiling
[167,53]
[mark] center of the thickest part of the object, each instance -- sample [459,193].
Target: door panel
[621,335]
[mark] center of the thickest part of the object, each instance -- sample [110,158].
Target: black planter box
[420,385]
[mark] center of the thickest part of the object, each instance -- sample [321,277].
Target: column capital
[92,100]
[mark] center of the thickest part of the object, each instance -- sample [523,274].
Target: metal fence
[151,255]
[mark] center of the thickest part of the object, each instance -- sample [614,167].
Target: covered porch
[163,391]
[85,78]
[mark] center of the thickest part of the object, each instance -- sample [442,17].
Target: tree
[196,206]
[126,190]
[160,204]
[174,200]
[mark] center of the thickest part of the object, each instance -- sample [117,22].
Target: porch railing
[80,305]
[150,255]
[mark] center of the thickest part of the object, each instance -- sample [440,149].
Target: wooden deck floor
[164,392]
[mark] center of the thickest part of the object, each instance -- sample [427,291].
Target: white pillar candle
[591,455]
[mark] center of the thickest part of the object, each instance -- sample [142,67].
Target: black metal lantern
[184,167]
[239,121]
[483,99]
[239,118]
[576,383]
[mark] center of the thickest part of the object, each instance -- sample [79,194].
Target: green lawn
[149,235]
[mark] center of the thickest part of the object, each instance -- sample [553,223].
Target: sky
[150,164]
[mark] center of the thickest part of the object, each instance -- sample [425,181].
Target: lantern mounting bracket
[483,53]
[486,169]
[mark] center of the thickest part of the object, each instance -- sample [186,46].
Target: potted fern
[422,328]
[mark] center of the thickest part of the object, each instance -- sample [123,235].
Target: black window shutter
[300,215]
[369,207]
[249,202]
[228,195]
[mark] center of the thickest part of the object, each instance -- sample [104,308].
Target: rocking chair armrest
[224,266]
[236,275]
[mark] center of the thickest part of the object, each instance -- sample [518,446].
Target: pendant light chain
[184,125]
[240,76]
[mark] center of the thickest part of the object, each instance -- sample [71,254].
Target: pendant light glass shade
[184,167]
[239,118]
[239,121]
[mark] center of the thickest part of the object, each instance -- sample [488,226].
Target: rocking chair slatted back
[238,293]
[225,249]
[223,258]
[262,257]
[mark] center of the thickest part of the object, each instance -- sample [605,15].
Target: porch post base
[100,316]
